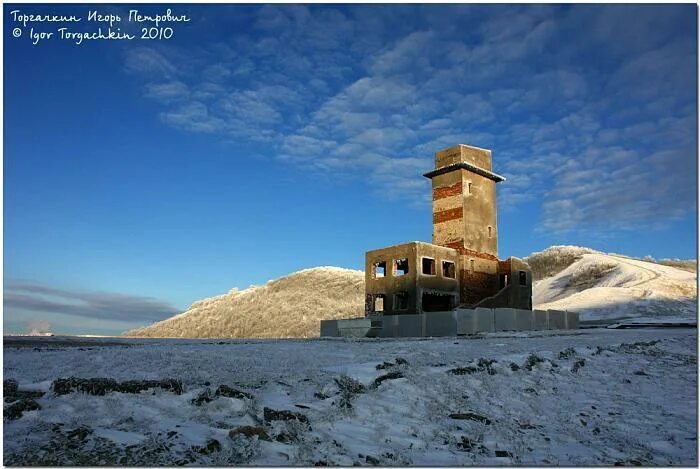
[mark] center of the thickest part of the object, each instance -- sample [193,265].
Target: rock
[471,416]
[250,432]
[567,353]
[101,386]
[212,446]
[228,391]
[391,375]
[286,438]
[320,395]
[578,364]
[640,373]
[9,386]
[203,397]
[15,410]
[79,433]
[372,460]
[12,395]
[514,366]
[271,414]
[503,454]
[463,370]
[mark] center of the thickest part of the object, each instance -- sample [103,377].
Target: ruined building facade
[461,267]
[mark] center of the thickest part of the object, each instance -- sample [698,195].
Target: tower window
[380,269]
[471,264]
[523,278]
[401,301]
[469,188]
[503,280]
[489,231]
[400,267]
[448,269]
[428,266]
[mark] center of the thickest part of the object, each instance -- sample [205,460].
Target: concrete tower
[464,200]
[464,216]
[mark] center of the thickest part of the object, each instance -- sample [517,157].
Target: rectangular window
[503,280]
[400,267]
[448,269]
[380,269]
[471,264]
[523,278]
[379,303]
[489,231]
[401,301]
[469,188]
[428,266]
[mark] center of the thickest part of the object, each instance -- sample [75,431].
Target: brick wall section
[475,286]
[504,266]
[447,191]
[459,247]
[447,215]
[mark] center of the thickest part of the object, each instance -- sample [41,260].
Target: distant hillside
[611,286]
[291,306]
[600,286]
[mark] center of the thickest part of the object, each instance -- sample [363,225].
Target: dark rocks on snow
[578,364]
[228,391]
[272,414]
[212,446]
[471,416]
[483,364]
[9,386]
[203,397]
[249,432]
[503,454]
[16,409]
[390,375]
[101,386]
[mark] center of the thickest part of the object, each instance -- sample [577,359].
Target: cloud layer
[36,298]
[589,109]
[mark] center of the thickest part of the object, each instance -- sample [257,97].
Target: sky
[143,175]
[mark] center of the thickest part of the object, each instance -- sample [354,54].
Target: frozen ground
[549,398]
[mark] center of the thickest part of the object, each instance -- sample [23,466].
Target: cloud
[589,109]
[36,298]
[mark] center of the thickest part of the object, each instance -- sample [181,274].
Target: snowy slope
[594,397]
[612,287]
[291,306]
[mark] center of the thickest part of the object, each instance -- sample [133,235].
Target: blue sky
[141,176]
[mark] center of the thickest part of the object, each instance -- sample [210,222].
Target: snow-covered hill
[600,286]
[290,306]
[611,287]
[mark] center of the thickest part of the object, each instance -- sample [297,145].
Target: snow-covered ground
[609,287]
[549,398]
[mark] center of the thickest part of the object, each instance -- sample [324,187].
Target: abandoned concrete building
[456,284]
[461,266]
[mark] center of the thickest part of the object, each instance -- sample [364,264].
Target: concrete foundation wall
[541,320]
[557,319]
[450,323]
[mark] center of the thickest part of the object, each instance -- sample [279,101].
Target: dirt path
[654,274]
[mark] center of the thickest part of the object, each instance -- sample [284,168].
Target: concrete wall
[450,323]
[414,283]
[557,319]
